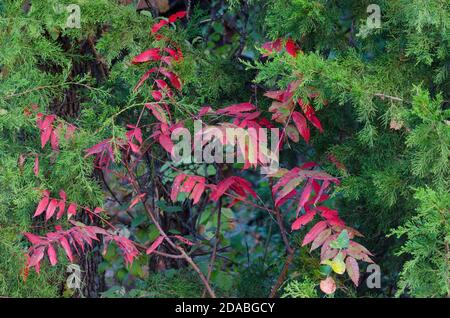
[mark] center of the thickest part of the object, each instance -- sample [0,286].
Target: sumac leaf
[301,124]
[155,245]
[303,220]
[314,232]
[352,269]
[328,285]
[52,255]
[320,239]
[41,206]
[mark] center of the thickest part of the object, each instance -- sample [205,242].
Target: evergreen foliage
[383,96]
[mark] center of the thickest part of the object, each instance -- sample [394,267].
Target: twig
[168,239]
[216,243]
[283,274]
[109,188]
[384,96]
[289,250]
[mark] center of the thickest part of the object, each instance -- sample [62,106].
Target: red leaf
[162,85]
[41,206]
[328,285]
[155,245]
[61,208]
[157,95]
[358,247]
[320,239]
[312,234]
[174,80]
[278,95]
[176,186]
[159,25]
[45,136]
[144,78]
[204,110]
[166,143]
[34,239]
[311,115]
[328,213]
[240,186]
[175,54]
[270,46]
[303,220]
[134,148]
[177,15]
[72,210]
[137,199]
[52,255]
[237,109]
[96,149]
[37,256]
[54,140]
[323,187]
[46,128]
[305,195]
[36,166]
[70,131]
[221,188]
[158,112]
[127,247]
[51,209]
[63,195]
[352,269]
[149,55]
[66,246]
[197,192]
[302,126]
[195,185]
[288,183]
[137,133]
[245,185]
[291,47]
[184,240]
[97,210]
[308,165]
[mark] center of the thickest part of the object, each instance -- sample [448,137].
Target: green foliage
[386,116]
[383,101]
[426,272]
[304,288]
[255,281]
[12,265]
[168,284]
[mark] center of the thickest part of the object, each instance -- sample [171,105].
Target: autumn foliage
[224,149]
[306,188]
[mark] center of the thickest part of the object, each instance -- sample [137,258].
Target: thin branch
[283,274]
[168,239]
[216,243]
[289,250]
[109,188]
[280,222]
[384,96]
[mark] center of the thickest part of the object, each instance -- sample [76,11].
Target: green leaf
[153,234]
[138,220]
[342,241]
[167,208]
[325,269]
